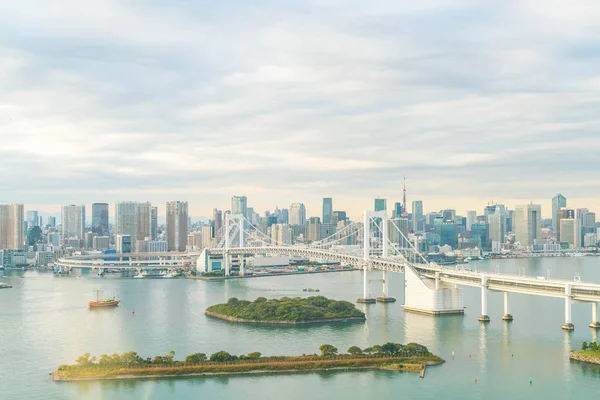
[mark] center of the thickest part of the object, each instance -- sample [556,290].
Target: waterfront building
[100,218]
[314,229]
[380,204]
[123,243]
[562,214]
[177,225]
[154,223]
[559,201]
[528,223]
[32,219]
[297,214]
[570,232]
[239,205]
[417,216]
[327,209]
[73,222]
[590,240]
[101,242]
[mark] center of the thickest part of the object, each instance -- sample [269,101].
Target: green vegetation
[592,346]
[314,308]
[130,365]
[213,274]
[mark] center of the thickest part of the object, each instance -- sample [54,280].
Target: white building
[570,232]
[11,226]
[73,222]
[177,225]
[281,234]
[297,214]
[527,223]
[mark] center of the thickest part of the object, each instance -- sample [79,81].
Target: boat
[310,290]
[170,274]
[110,302]
[141,274]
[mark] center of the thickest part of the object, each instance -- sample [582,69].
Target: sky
[292,101]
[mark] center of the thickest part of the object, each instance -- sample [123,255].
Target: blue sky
[292,101]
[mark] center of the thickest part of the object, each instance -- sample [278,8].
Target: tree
[221,356]
[354,350]
[254,355]
[169,357]
[368,350]
[584,346]
[376,349]
[195,358]
[328,350]
[85,360]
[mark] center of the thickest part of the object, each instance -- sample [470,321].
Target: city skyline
[338,99]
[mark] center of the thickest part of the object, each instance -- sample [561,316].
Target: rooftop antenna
[404,212]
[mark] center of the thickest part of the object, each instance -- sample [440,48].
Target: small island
[308,310]
[589,353]
[411,357]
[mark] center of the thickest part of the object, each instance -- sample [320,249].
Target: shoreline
[221,278]
[223,317]
[392,367]
[581,356]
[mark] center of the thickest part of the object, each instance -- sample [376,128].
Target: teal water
[44,322]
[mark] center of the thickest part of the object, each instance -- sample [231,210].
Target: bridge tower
[233,221]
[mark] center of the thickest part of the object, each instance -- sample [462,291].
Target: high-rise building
[32,219]
[471,219]
[218,219]
[123,243]
[208,235]
[559,201]
[497,227]
[73,222]
[449,215]
[417,216]
[481,231]
[397,212]
[327,209]
[100,219]
[449,234]
[338,216]
[570,232]
[177,225]
[528,223]
[239,205]
[380,204]
[11,226]
[126,215]
[154,223]
[144,221]
[51,221]
[281,234]
[314,229]
[284,216]
[297,214]
[563,213]
[101,242]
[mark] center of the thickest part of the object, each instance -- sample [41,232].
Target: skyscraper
[11,226]
[528,223]
[239,205]
[73,222]
[144,221]
[417,216]
[100,219]
[51,221]
[563,213]
[471,219]
[497,227]
[32,219]
[327,209]
[126,214]
[314,229]
[380,204]
[154,223]
[338,216]
[297,214]
[397,212]
[177,225]
[218,219]
[559,201]
[570,232]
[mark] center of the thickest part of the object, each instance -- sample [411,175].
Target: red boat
[110,302]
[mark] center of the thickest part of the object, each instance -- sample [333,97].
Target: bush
[195,358]
[222,356]
[254,355]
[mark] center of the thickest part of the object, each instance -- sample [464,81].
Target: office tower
[397,212]
[40,221]
[32,219]
[449,234]
[177,225]
[208,234]
[218,219]
[559,201]
[327,209]
[144,221]
[88,242]
[51,221]
[123,243]
[528,223]
[570,232]
[449,215]
[497,227]
[480,230]
[239,205]
[399,238]
[154,223]
[281,234]
[314,229]
[338,216]
[589,222]
[100,219]
[101,242]
[417,216]
[563,213]
[284,216]
[380,204]
[471,219]
[73,222]
[11,226]
[297,214]
[126,214]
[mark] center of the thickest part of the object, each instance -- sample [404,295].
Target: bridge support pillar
[241,265]
[506,316]
[568,325]
[226,263]
[484,317]
[384,298]
[366,296]
[595,324]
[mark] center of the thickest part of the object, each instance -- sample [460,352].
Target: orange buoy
[132,311]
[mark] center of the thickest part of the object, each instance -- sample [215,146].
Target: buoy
[475,379]
[512,355]
[132,311]
[531,381]
[452,354]
[469,355]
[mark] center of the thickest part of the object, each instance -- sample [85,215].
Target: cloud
[286,102]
